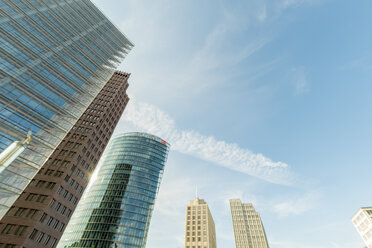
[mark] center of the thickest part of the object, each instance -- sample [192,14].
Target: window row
[41,237]
[58,207]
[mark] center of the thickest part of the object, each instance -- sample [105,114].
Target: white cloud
[297,206]
[301,84]
[262,14]
[150,119]
[292,3]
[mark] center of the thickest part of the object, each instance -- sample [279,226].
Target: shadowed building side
[248,228]
[39,216]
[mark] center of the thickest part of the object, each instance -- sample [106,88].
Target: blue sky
[267,101]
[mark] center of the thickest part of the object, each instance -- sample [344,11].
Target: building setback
[199,227]
[55,56]
[248,228]
[362,221]
[116,208]
[39,216]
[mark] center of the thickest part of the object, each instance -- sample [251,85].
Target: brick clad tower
[38,217]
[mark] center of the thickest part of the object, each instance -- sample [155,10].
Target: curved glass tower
[116,207]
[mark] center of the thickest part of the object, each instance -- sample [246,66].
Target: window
[58,173]
[30,197]
[56,162]
[60,228]
[31,213]
[67,178]
[53,242]
[59,189]
[69,197]
[40,237]
[52,202]
[7,228]
[46,240]
[50,185]
[72,182]
[75,201]
[58,206]
[20,230]
[41,198]
[65,163]
[65,193]
[49,172]
[63,210]
[55,224]
[49,220]
[43,217]
[19,212]
[33,234]
[68,213]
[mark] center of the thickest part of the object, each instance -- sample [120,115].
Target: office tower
[115,210]
[248,228]
[199,229]
[362,221]
[55,56]
[38,217]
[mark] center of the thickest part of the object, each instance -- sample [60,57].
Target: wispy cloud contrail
[155,121]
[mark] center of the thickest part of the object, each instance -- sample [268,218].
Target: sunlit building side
[55,56]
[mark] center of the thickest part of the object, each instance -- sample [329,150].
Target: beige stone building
[362,221]
[248,228]
[199,228]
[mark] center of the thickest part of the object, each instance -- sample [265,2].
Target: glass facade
[55,56]
[116,207]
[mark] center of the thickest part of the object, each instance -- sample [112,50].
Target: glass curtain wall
[116,207]
[55,56]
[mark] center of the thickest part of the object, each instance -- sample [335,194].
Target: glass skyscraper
[116,207]
[55,56]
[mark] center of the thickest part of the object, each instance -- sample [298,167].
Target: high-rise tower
[248,228]
[199,227]
[116,208]
[362,221]
[38,217]
[55,56]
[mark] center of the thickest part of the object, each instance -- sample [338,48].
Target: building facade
[248,228]
[199,227]
[55,57]
[116,208]
[39,216]
[362,221]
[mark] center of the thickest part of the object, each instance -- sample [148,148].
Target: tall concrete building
[248,228]
[200,231]
[362,221]
[39,216]
[55,57]
[116,208]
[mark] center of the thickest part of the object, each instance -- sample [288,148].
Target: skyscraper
[55,56]
[362,221]
[199,227]
[248,228]
[38,217]
[116,208]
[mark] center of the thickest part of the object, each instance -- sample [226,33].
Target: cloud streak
[297,206]
[151,119]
